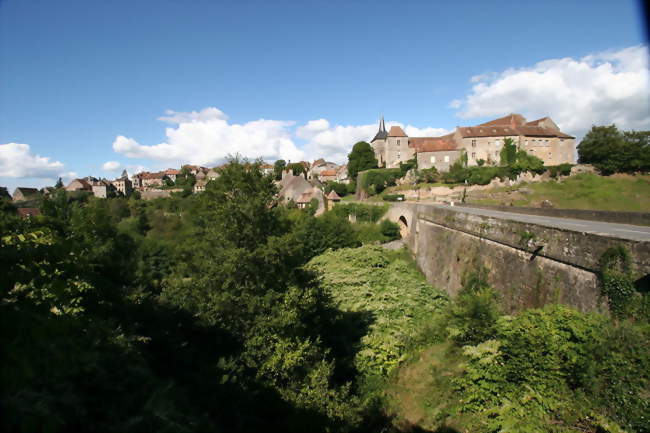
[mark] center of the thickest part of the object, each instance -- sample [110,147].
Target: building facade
[482,143]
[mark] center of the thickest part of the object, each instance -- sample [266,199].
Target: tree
[612,151]
[278,168]
[59,183]
[361,158]
[297,169]
[508,154]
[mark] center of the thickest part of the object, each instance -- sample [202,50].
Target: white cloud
[206,138]
[17,161]
[111,166]
[603,88]
[335,142]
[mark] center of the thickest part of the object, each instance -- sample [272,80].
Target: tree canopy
[613,151]
[361,158]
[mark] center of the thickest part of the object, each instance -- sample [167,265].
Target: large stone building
[391,147]
[541,137]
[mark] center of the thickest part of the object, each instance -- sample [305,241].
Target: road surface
[624,231]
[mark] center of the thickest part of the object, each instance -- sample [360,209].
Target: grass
[583,191]
[422,393]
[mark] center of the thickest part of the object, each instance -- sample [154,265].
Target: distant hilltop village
[482,144]
[541,138]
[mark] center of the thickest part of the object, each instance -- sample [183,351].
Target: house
[200,175]
[320,165]
[482,143]
[136,181]
[293,188]
[26,212]
[80,185]
[267,169]
[342,174]
[212,174]
[122,184]
[305,199]
[172,173]
[100,191]
[152,180]
[332,199]
[22,194]
[199,186]
[327,175]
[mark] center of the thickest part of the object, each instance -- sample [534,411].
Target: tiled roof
[305,197]
[396,131]
[333,196]
[328,173]
[511,120]
[152,175]
[171,171]
[432,144]
[27,191]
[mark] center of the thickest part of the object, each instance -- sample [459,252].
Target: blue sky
[78,75]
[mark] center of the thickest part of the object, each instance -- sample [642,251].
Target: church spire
[381,134]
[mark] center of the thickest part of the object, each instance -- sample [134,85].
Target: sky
[92,87]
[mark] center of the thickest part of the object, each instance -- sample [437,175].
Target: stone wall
[530,265]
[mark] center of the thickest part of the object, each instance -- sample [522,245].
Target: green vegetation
[393,197]
[582,191]
[224,312]
[613,151]
[377,180]
[361,158]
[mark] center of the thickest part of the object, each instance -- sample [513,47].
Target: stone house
[212,174]
[541,137]
[22,193]
[319,166]
[199,186]
[293,188]
[123,184]
[80,185]
[327,175]
[342,174]
[171,173]
[152,180]
[332,199]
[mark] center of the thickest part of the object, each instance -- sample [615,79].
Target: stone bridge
[532,260]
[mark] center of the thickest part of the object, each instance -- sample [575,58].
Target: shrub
[378,180]
[390,230]
[362,212]
[427,175]
[393,197]
[559,170]
[340,188]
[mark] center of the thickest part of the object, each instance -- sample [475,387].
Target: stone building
[391,147]
[79,185]
[484,142]
[22,193]
[122,184]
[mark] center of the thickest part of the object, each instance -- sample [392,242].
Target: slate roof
[381,134]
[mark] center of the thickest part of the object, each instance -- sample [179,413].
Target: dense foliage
[614,151]
[361,158]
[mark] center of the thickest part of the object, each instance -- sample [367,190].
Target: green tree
[361,158]
[59,183]
[278,168]
[613,151]
[508,155]
[297,169]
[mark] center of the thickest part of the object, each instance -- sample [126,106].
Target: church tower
[379,143]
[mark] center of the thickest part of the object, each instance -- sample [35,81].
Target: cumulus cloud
[603,88]
[18,161]
[111,166]
[206,137]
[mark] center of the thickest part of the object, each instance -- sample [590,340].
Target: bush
[559,170]
[340,188]
[393,197]
[390,230]
[378,180]
[362,212]
[427,175]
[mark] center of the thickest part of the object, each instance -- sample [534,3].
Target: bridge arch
[404,228]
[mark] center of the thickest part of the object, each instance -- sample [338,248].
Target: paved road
[624,231]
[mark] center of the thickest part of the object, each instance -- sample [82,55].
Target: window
[446,158]
[473,143]
[474,155]
[433,160]
[496,154]
[398,142]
